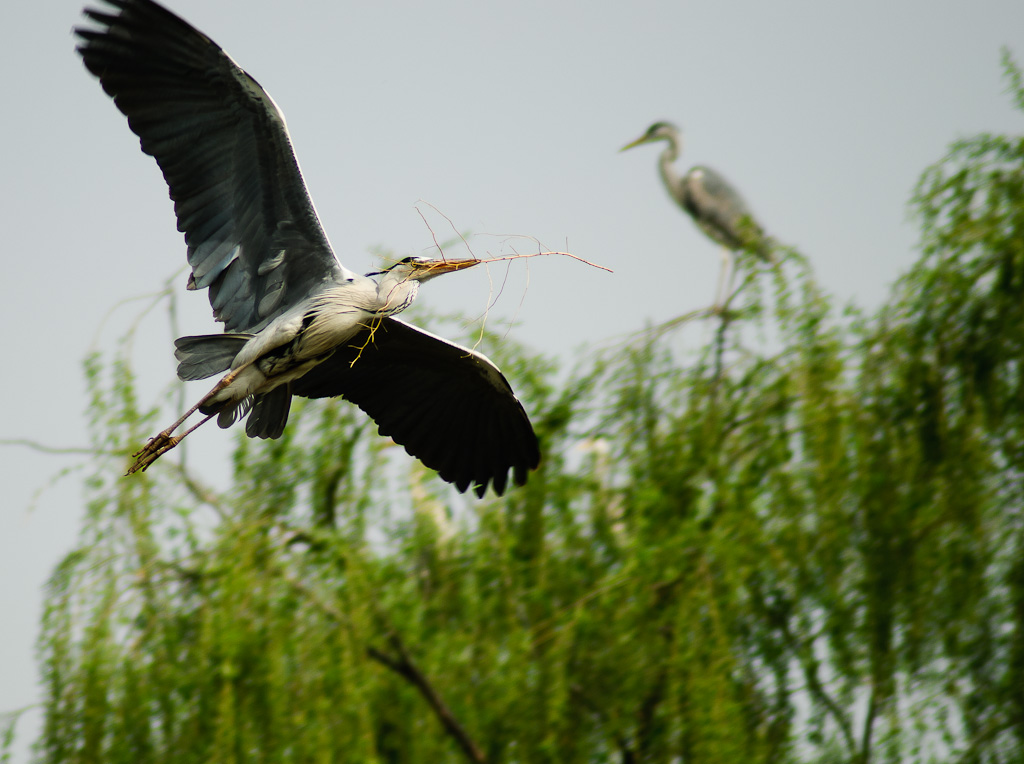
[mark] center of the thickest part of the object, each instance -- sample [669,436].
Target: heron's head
[423,268]
[659,131]
[398,285]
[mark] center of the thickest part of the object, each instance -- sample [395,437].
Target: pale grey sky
[506,117]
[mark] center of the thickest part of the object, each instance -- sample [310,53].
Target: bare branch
[519,255]
[404,666]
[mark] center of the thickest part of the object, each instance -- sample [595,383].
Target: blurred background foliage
[801,542]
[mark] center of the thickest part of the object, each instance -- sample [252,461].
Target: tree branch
[809,664]
[869,726]
[804,654]
[628,756]
[404,666]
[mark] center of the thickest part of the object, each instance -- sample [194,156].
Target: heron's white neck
[395,292]
[666,166]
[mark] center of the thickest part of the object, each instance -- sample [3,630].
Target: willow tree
[801,542]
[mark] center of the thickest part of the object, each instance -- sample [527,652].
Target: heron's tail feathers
[207,354]
[228,411]
[269,413]
[763,247]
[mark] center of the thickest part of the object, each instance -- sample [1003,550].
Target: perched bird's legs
[724,287]
[164,441]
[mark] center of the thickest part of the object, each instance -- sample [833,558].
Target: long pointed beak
[642,139]
[438,267]
[449,266]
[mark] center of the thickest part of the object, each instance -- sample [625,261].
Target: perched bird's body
[296,321]
[715,205]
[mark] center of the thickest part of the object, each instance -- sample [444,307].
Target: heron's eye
[403,261]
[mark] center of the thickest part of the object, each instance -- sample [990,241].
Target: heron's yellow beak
[642,139]
[437,267]
[446,266]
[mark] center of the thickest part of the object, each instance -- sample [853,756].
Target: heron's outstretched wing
[449,406]
[253,235]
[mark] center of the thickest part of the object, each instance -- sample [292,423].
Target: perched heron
[715,206]
[296,321]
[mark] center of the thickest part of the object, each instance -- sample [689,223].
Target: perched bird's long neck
[666,166]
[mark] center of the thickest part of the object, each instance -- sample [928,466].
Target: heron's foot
[153,450]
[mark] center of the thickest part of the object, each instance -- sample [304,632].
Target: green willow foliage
[801,543]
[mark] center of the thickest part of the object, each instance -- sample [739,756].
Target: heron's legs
[164,441]
[161,444]
[725,275]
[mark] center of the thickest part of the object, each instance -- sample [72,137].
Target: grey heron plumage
[296,321]
[713,203]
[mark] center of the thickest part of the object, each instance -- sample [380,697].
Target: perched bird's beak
[641,140]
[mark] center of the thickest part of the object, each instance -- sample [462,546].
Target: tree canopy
[802,542]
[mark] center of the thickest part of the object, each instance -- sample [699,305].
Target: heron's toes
[141,464]
[152,451]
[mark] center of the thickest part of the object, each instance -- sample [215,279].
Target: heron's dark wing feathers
[720,210]
[449,406]
[253,235]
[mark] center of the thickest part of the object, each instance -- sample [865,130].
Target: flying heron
[296,321]
[715,206]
